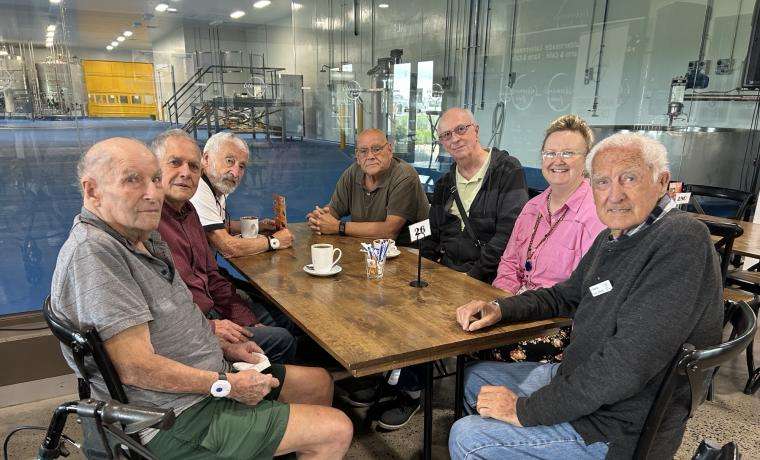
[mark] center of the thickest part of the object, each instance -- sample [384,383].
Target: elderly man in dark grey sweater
[648,284]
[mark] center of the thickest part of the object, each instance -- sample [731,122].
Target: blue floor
[39,195]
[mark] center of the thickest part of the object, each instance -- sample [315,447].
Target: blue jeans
[475,437]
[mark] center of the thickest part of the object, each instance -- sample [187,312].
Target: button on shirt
[557,257]
[469,188]
[195,263]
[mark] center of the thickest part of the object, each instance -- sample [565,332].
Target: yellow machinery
[119,89]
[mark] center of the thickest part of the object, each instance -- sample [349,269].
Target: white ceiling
[95,23]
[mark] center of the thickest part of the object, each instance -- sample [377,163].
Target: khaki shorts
[223,428]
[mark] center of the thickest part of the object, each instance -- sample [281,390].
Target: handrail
[190,81]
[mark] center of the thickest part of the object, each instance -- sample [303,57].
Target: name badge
[600,288]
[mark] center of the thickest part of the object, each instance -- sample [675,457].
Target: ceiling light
[51,28]
[237,14]
[296,6]
[382,5]
[55,2]
[261,4]
[171,10]
[114,44]
[161,7]
[109,47]
[127,33]
[120,38]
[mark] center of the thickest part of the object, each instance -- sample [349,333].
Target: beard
[225,184]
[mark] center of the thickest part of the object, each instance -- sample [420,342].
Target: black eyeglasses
[460,130]
[375,149]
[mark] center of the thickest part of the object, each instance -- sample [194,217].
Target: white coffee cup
[323,257]
[249,227]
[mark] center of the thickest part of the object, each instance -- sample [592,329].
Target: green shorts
[224,428]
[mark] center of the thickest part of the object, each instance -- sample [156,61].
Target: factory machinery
[39,83]
[237,92]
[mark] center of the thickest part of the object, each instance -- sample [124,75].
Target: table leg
[753,384]
[427,439]
[459,393]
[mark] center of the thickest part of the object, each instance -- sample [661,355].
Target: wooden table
[746,245]
[371,326]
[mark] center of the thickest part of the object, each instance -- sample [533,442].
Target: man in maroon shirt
[232,316]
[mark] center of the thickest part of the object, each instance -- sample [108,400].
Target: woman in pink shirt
[553,231]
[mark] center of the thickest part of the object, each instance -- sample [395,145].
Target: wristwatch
[274,243]
[342,228]
[221,387]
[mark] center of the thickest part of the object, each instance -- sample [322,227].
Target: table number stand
[417,232]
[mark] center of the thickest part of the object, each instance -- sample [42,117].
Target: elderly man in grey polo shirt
[115,273]
[382,194]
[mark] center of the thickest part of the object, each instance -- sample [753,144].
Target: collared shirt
[399,193]
[195,263]
[101,280]
[556,258]
[469,188]
[211,208]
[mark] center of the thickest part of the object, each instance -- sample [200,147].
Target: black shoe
[399,411]
[363,397]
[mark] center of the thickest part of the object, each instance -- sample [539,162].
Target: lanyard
[552,227]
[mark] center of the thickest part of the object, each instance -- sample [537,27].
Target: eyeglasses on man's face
[375,149]
[460,130]
[565,154]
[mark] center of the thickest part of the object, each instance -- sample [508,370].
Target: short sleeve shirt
[102,281]
[212,209]
[399,193]
[468,188]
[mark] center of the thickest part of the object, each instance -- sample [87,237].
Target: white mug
[249,227]
[322,257]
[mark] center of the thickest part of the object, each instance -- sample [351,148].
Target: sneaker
[399,411]
[363,397]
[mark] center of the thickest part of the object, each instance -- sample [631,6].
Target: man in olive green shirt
[381,193]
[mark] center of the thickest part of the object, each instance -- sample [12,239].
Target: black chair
[696,367]
[744,201]
[726,232]
[82,344]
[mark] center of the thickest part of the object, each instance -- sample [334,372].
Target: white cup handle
[340,254]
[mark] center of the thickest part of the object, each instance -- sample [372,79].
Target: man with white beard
[225,157]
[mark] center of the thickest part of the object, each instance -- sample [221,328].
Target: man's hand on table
[230,332]
[322,221]
[478,314]
[267,225]
[499,403]
[241,351]
[285,237]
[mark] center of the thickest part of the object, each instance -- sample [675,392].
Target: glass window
[123,100]
[149,100]
[136,99]
[100,98]
[111,99]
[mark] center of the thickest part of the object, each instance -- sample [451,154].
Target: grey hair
[466,112]
[215,142]
[158,144]
[654,154]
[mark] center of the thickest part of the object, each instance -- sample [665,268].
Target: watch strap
[342,228]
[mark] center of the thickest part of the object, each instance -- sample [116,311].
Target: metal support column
[459,391]
[427,438]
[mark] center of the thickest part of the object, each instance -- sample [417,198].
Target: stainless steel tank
[698,155]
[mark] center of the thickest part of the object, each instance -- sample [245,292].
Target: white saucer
[310,270]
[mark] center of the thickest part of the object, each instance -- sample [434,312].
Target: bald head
[121,184]
[458,133]
[459,114]
[371,133]
[98,161]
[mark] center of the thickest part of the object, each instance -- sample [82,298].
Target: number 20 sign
[419,230]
